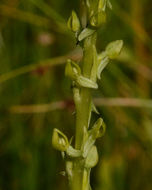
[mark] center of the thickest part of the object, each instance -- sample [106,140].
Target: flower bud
[73,22]
[114,48]
[69,70]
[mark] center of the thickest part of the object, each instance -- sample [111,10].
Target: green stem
[81,176]
[84,105]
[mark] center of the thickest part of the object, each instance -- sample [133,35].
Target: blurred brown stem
[45,63]
[59,105]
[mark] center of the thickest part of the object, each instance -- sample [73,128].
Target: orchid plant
[84,75]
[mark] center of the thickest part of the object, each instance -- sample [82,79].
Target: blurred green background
[35,96]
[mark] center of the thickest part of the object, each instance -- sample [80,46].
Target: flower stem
[84,105]
[81,176]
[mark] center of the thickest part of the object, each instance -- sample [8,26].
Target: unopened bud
[73,22]
[114,48]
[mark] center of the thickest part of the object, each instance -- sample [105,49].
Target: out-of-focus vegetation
[36,97]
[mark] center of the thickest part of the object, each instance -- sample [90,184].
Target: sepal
[73,153]
[113,49]
[92,6]
[102,5]
[72,69]
[94,109]
[69,167]
[101,66]
[59,140]
[85,82]
[93,134]
[74,22]
[101,56]
[109,5]
[92,158]
[85,33]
